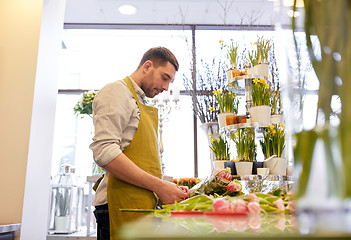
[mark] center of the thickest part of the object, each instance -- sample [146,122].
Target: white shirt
[116,117]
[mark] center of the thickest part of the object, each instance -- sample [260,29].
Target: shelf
[246,125]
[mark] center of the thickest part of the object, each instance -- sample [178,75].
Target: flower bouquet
[188,182]
[220,184]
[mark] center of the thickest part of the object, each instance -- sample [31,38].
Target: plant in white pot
[232,54]
[260,94]
[244,139]
[273,145]
[220,149]
[63,201]
[228,107]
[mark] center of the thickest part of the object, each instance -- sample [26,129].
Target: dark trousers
[103,222]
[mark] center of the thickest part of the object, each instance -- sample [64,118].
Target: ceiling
[200,12]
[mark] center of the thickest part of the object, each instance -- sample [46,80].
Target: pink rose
[239,206]
[252,197]
[254,208]
[221,205]
[280,204]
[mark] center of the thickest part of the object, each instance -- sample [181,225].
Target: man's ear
[147,65]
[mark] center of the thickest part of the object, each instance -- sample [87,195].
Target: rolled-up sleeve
[111,114]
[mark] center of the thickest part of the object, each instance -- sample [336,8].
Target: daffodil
[255,81]
[211,109]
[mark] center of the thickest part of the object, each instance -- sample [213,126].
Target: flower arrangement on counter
[260,92]
[220,184]
[220,147]
[227,101]
[273,142]
[244,139]
[85,105]
[189,182]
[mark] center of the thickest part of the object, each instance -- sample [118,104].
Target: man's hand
[169,192]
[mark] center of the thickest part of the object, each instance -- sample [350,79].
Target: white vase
[243,168]
[262,70]
[62,223]
[211,128]
[261,114]
[276,118]
[276,165]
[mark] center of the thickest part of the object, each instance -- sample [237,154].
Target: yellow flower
[211,109]
[219,91]
[271,127]
[212,140]
[255,43]
[235,95]
[255,80]
[273,132]
[281,125]
[266,85]
[263,81]
[209,135]
[220,41]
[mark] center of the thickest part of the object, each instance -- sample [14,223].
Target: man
[126,145]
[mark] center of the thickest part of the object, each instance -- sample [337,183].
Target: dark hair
[160,56]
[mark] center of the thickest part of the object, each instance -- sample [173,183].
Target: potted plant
[258,57]
[232,54]
[220,149]
[260,94]
[273,145]
[275,102]
[63,206]
[228,107]
[244,139]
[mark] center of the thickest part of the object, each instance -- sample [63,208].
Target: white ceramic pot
[62,223]
[219,164]
[262,70]
[276,165]
[261,114]
[276,118]
[243,168]
[252,71]
[262,171]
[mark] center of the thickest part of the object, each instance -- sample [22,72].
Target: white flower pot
[262,70]
[276,165]
[222,119]
[261,114]
[243,168]
[252,71]
[276,118]
[219,164]
[62,223]
[262,171]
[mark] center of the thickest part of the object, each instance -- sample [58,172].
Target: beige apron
[144,152]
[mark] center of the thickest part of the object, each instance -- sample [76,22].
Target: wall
[19,31]
[29,52]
